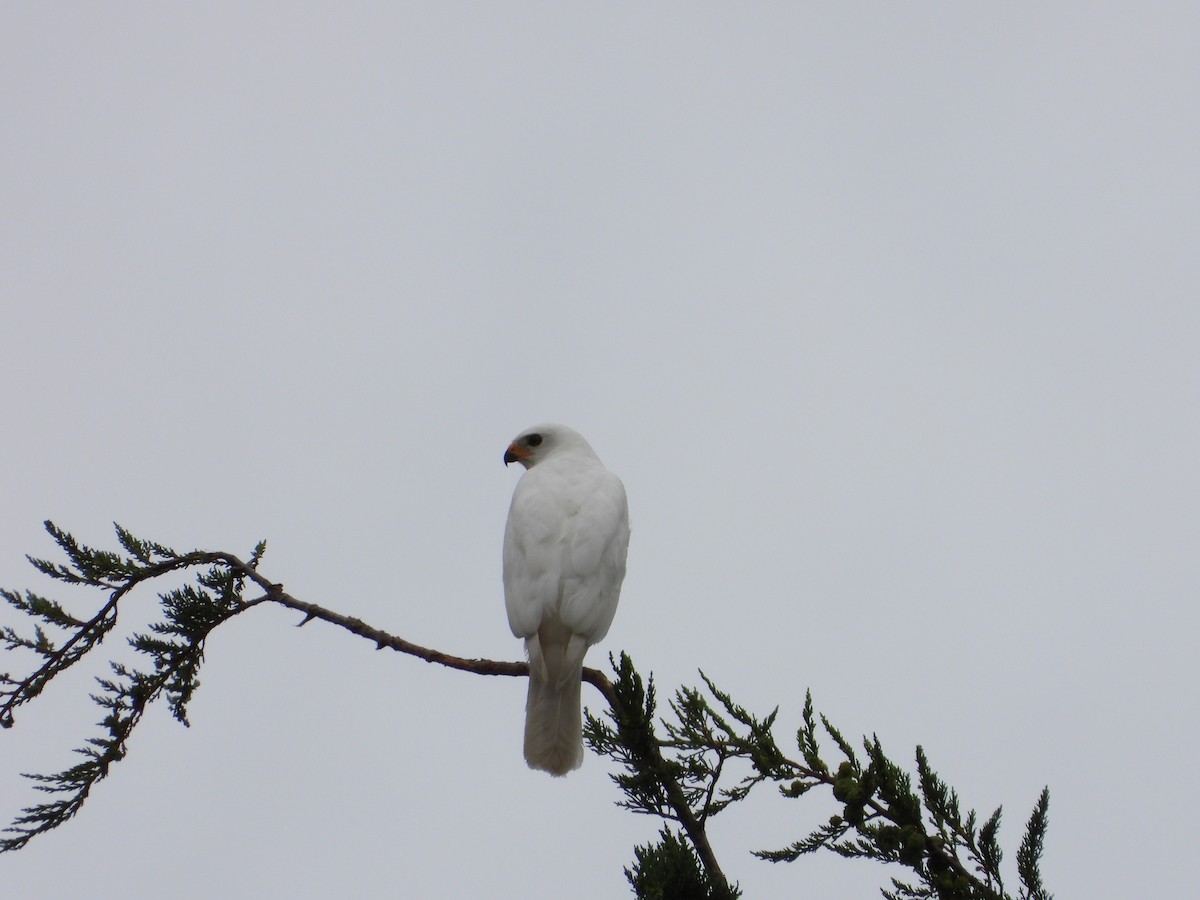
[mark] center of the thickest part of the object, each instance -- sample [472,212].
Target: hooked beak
[514,453]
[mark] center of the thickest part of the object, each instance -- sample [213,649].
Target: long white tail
[554,719]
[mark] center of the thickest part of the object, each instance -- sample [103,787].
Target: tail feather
[554,719]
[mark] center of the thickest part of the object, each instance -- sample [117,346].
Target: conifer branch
[883,817]
[174,645]
[713,754]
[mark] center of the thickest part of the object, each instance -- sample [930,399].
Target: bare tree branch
[274,593]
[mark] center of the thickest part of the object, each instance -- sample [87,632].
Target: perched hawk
[564,561]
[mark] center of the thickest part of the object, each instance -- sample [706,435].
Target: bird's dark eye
[534,440]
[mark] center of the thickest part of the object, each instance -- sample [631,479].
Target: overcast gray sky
[886,314]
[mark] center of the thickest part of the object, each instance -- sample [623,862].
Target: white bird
[564,561]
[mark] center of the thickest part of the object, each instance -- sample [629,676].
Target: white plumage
[564,561]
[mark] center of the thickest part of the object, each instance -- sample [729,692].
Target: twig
[275,593]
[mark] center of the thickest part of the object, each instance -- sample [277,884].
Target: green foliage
[669,870]
[173,646]
[680,790]
[884,817]
[1030,855]
[633,744]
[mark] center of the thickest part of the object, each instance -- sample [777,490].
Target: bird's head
[535,444]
